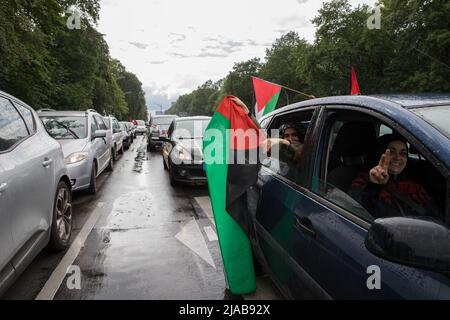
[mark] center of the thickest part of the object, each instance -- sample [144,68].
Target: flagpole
[310,96]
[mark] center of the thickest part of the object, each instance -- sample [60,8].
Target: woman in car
[386,191]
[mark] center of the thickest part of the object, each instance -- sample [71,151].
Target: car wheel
[110,166]
[164,164]
[61,228]
[173,182]
[93,184]
[121,149]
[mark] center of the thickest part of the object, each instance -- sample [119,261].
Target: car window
[354,144]
[116,124]
[286,160]
[27,116]
[94,125]
[100,123]
[107,122]
[12,126]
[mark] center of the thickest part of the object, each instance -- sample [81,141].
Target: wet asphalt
[149,241]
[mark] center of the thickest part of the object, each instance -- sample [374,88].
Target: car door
[277,220]
[28,164]
[330,244]
[103,144]
[117,134]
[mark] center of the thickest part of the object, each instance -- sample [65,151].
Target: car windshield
[163,121]
[189,129]
[62,127]
[439,117]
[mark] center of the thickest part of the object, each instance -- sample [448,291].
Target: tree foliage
[48,65]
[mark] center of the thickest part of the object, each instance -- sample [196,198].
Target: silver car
[116,133]
[35,192]
[86,143]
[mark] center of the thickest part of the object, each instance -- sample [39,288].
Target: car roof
[192,118]
[165,116]
[62,113]
[11,97]
[376,102]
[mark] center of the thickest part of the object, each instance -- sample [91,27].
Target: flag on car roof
[355,87]
[267,94]
[227,184]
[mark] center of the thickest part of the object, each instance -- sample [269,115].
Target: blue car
[316,240]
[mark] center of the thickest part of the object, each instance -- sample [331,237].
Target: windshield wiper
[67,128]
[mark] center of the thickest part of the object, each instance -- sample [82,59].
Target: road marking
[54,282]
[205,204]
[192,237]
[212,236]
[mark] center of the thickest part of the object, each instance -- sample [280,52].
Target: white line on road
[54,282]
[205,204]
[212,236]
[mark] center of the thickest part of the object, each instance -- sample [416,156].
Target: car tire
[61,228]
[114,153]
[164,164]
[173,182]
[93,182]
[110,166]
[121,149]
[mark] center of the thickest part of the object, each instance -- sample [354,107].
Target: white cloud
[173,46]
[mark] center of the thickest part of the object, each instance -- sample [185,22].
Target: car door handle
[305,225]
[47,162]
[3,187]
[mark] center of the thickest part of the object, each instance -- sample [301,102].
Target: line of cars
[181,140]
[44,157]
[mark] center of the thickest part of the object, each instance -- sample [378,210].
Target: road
[137,238]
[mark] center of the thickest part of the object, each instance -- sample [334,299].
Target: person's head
[398,152]
[290,132]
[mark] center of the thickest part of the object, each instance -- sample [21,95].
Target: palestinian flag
[228,182]
[267,94]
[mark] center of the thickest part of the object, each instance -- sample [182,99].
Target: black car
[182,150]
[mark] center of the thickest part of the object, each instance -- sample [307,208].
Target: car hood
[193,146]
[71,146]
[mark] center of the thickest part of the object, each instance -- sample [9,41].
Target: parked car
[141,127]
[35,191]
[316,241]
[133,129]
[85,141]
[159,125]
[117,137]
[127,134]
[183,150]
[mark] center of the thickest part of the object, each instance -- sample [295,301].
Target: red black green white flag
[267,94]
[228,181]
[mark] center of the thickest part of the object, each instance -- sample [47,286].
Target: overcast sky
[173,46]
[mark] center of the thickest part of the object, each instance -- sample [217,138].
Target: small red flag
[355,87]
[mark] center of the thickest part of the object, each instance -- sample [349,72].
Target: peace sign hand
[380,173]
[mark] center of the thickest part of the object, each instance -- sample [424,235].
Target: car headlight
[76,157]
[181,154]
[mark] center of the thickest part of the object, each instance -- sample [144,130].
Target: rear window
[438,117]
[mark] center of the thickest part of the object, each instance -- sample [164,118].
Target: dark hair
[290,125]
[382,144]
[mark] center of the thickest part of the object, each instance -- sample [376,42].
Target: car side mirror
[99,134]
[117,130]
[419,242]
